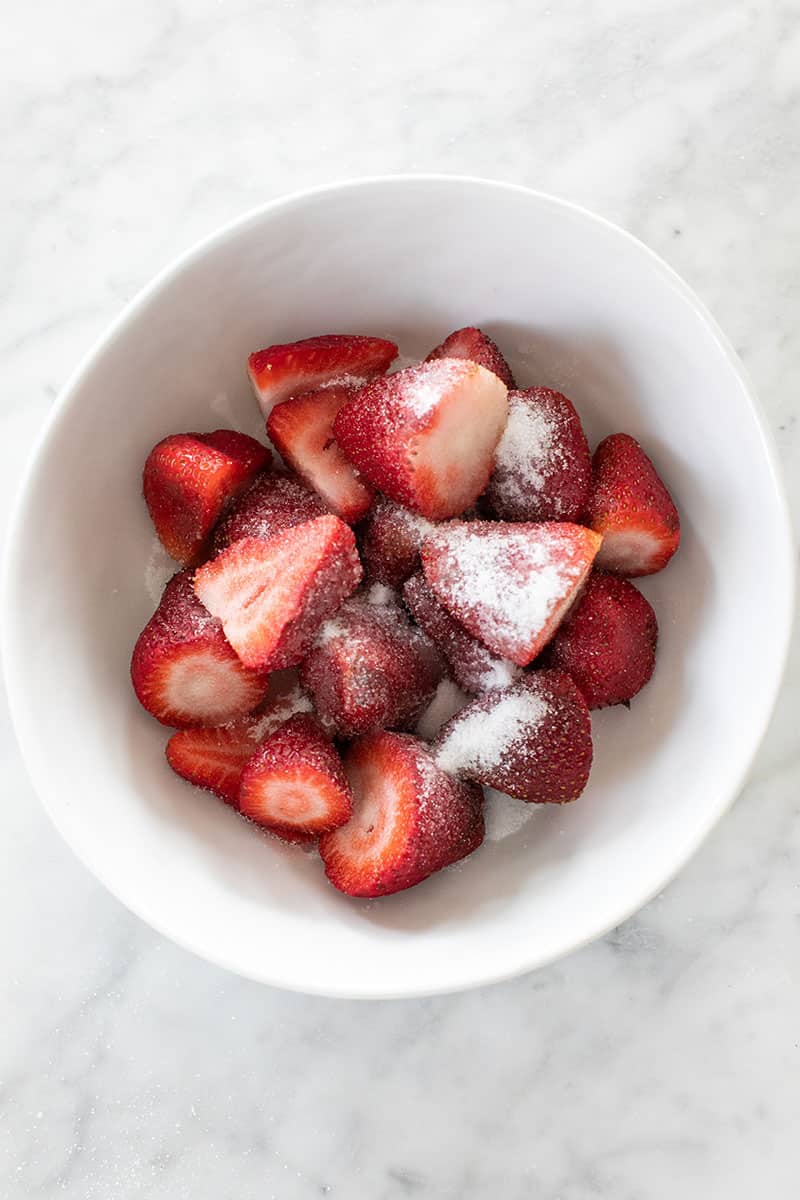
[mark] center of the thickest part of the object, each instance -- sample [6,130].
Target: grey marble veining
[661,1062]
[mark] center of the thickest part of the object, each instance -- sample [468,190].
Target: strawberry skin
[184,671]
[474,344]
[289,369]
[188,481]
[409,818]
[426,436]
[631,507]
[272,595]
[274,501]
[390,540]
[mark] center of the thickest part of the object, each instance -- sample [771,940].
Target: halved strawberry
[301,428]
[532,741]
[295,783]
[390,539]
[426,436]
[409,818]
[472,665]
[294,367]
[272,595]
[274,501]
[631,507]
[188,481]
[543,468]
[474,344]
[183,669]
[509,585]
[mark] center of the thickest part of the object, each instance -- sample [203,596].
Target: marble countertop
[660,1062]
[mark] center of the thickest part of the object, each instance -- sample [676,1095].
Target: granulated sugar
[426,385]
[483,733]
[529,451]
[448,700]
[380,595]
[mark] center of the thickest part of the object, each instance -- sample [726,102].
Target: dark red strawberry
[183,669]
[630,506]
[426,436]
[477,346]
[274,501]
[532,741]
[292,368]
[409,818]
[190,478]
[543,468]
[272,595]
[390,539]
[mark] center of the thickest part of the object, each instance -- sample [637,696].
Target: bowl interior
[574,303]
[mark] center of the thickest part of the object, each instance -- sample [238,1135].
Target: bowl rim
[60,410]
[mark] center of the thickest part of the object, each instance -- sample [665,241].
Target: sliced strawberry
[532,741]
[608,642]
[390,540]
[509,585]
[295,367]
[295,783]
[190,478]
[370,668]
[630,506]
[183,669]
[409,818]
[274,501]
[478,347]
[543,468]
[426,436]
[302,430]
[272,595]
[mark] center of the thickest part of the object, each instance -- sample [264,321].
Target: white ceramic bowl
[575,303]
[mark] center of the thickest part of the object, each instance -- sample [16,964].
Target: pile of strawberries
[431,527]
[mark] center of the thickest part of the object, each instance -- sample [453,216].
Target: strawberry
[370,668]
[426,436]
[477,346]
[274,501]
[630,506]
[532,741]
[190,478]
[272,594]
[183,669]
[295,784]
[390,540]
[295,367]
[509,585]
[473,667]
[608,642]
[543,468]
[301,428]
[409,818]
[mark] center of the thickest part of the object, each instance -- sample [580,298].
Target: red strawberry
[473,667]
[302,430]
[272,595]
[543,468]
[509,585]
[295,784]
[477,346]
[630,506]
[190,478]
[295,367]
[409,818]
[184,671]
[370,668]
[390,540]
[608,642]
[274,501]
[426,436]
[532,741]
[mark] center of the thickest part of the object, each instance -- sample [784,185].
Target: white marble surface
[661,1062]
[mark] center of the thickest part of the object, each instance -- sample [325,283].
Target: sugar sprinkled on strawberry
[275,500]
[390,540]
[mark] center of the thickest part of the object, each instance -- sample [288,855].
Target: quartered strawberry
[608,641]
[477,346]
[370,668]
[273,594]
[630,506]
[390,539]
[532,741]
[543,468]
[426,436]
[409,818]
[295,784]
[301,429]
[509,585]
[183,669]
[292,368]
[190,478]
[274,501]
[472,665]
